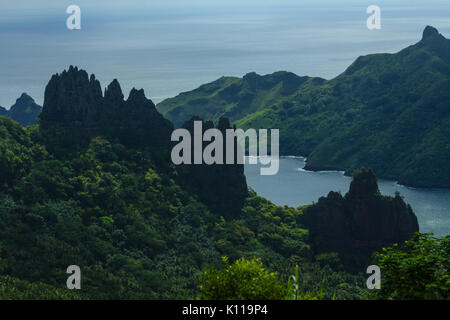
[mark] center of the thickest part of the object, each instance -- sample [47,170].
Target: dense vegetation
[417,269]
[130,227]
[244,280]
[75,191]
[389,112]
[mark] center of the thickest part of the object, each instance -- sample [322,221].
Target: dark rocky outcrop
[359,223]
[75,110]
[223,188]
[25,111]
[73,99]
[429,31]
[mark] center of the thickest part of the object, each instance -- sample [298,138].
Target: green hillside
[390,112]
[93,185]
[235,98]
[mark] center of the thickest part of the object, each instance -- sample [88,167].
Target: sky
[171,46]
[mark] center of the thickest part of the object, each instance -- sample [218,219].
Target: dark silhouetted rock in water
[25,111]
[75,110]
[360,223]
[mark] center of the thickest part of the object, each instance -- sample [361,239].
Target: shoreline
[345,173]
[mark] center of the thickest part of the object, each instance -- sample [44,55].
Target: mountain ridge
[385,111]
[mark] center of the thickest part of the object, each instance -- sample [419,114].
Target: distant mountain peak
[432,35]
[24,98]
[429,32]
[24,111]
[24,102]
[436,43]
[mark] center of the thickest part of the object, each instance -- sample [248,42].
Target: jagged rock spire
[74,102]
[114,92]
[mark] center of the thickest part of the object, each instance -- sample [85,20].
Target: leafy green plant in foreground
[243,280]
[418,269]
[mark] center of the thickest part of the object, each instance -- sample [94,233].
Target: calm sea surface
[294,186]
[171,46]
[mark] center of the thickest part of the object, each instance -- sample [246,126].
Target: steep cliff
[75,110]
[222,187]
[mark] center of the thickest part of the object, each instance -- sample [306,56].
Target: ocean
[171,46]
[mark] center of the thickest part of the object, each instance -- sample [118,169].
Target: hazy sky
[169,46]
